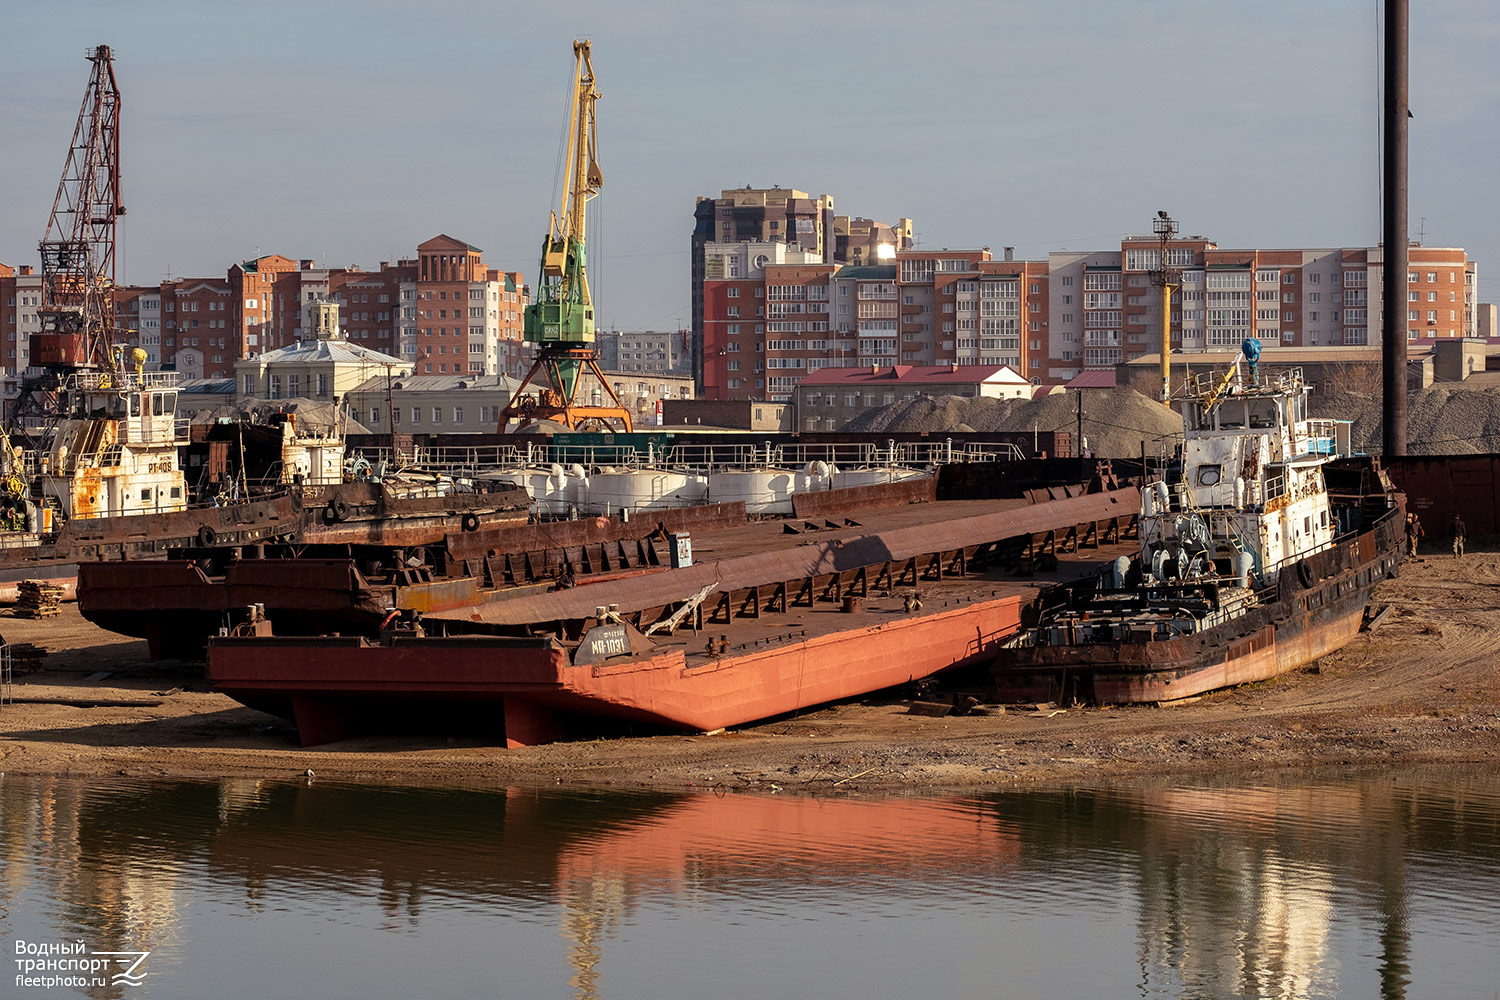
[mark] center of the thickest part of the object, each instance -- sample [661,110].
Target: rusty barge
[1257,558]
[863,589]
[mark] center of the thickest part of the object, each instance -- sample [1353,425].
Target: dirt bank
[1423,687]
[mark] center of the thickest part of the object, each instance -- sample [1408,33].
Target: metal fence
[468,460]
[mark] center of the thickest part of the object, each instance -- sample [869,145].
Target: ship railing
[19,539]
[122,381]
[1322,435]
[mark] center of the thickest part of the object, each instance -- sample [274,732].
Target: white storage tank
[552,490]
[875,475]
[610,490]
[764,491]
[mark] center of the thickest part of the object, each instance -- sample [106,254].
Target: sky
[352,130]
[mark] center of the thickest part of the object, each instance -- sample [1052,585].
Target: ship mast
[1165,278]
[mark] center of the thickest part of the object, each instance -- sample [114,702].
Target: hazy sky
[351,131]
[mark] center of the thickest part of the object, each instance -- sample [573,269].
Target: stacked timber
[26,657]
[38,599]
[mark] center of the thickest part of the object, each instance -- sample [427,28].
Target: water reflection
[1288,889]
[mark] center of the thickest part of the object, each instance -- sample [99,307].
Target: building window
[322,385]
[374,416]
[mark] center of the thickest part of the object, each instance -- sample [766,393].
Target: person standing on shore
[1460,532]
[1413,533]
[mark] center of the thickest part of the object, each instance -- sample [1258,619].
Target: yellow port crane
[560,322]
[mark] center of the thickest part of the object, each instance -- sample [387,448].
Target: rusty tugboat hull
[1318,609]
[1258,554]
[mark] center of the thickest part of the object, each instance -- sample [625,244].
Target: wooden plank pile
[38,599]
[26,657]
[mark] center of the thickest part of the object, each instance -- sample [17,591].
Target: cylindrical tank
[874,475]
[610,490]
[764,491]
[1243,563]
[552,492]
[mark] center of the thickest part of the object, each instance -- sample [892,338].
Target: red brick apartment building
[766,330]
[772,314]
[443,310]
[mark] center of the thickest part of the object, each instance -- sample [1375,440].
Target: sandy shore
[1423,687]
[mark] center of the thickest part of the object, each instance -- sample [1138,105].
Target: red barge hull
[540,695]
[780,616]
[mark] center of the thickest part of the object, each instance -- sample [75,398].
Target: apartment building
[765,217]
[21,296]
[1105,308]
[769,322]
[646,351]
[441,311]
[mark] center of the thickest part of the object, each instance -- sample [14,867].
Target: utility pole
[1393,231]
[1078,444]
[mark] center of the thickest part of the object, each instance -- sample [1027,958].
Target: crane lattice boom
[78,249]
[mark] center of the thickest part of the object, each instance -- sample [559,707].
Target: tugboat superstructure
[1256,558]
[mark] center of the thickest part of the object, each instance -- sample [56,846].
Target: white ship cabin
[1252,498]
[311,459]
[116,451]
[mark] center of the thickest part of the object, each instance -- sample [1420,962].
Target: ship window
[177,493]
[145,496]
[135,406]
[1208,475]
[156,404]
[1307,525]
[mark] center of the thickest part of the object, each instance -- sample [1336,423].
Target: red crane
[78,251]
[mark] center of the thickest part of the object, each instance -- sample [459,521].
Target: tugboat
[106,484]
[1257,558]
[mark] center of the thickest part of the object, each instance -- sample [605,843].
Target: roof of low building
[207,386]
[339,351]
[1092,378]
[439,383]
[916,375]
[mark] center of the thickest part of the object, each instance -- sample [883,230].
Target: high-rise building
[1104,307]
[772,312]
[804,225]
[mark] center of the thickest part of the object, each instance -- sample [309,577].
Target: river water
[1345,885]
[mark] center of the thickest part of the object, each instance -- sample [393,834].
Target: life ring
[207,536]
[337,509]
[471,522]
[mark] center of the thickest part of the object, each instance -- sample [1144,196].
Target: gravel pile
[1440,420]
[1115,421]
